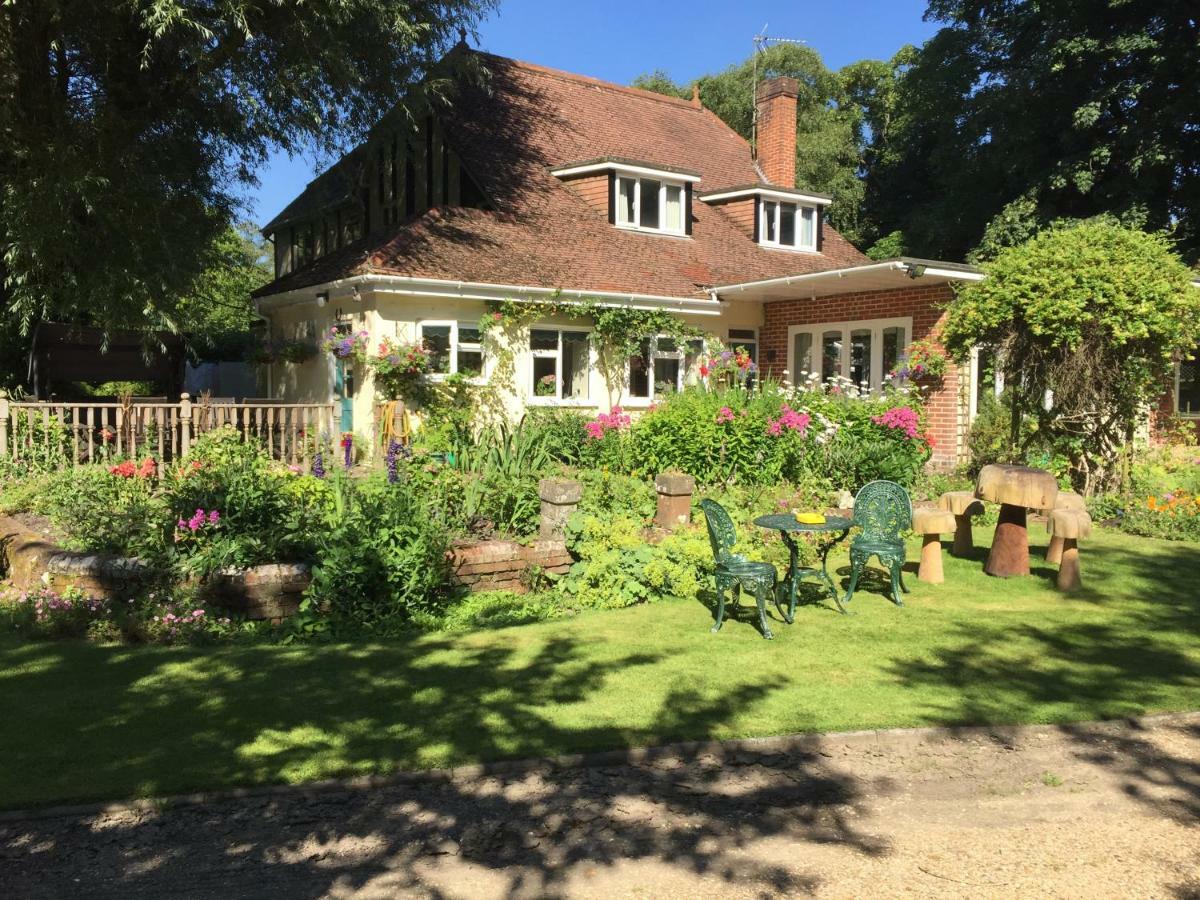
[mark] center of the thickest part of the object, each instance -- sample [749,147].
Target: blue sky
[620,39]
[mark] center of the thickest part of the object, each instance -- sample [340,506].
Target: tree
[1087,322]
[1019,113]
[128,131]
[217,313]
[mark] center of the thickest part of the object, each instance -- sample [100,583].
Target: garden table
[834,529]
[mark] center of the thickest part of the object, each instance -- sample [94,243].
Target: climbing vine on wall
[617,332]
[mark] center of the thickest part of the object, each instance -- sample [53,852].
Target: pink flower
[615,420]
[724,414]
[214,517]
[789,419]
[900,418]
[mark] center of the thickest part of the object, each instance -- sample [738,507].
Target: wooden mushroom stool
[931,524]
[964,506]
[1065,500]
[1072,526]
[1017,489]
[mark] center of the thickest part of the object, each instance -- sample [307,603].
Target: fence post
[4,411]
[185,423]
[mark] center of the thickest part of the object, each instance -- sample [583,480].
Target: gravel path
[1091,811]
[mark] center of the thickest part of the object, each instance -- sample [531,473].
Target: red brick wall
[923,304]
[502,565]
[775,141]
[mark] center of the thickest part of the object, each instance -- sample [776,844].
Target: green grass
[83,722]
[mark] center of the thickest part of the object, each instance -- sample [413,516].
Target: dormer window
[650,204]
[639,196]
[787,225]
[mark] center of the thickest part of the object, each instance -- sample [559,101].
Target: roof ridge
[594,82]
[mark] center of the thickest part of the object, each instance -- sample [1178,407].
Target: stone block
[674,491]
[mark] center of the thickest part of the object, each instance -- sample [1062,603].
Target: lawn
[84,722]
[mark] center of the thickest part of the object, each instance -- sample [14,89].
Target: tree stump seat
[1071,526]
[931,524]
[1064,500]
[964,506]
[1017,489]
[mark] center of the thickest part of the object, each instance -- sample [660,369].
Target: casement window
[455,347]
[863,352]
[791,226]
[745,338]
[661,366]
[650,204]
[559,365]
[1187,386]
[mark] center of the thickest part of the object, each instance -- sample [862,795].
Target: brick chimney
[776,135]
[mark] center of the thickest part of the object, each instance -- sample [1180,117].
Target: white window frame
[455,346]
[636,224]
[1194,414]
[876,327]
[777,244]
[680,353]
[733,343]
[531,397]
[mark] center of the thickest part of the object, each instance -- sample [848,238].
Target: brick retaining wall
[503,565]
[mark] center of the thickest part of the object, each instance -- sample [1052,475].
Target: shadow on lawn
[524,835]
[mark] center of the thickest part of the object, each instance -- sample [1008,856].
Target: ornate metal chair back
[882,510]
[721,533]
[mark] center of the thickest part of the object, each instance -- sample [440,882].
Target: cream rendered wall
[398,317]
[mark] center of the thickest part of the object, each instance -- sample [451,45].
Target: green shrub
[618,567]
[609,495]
[560,430]
[98,511]
[381,559]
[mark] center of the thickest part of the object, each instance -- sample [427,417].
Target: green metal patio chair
[733,571]
[883,511]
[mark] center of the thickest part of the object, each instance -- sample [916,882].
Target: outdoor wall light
[357,295]
[322,298]
[915,271]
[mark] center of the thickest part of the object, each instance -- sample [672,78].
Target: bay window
[650,204]
[455,348]
[791,226]
[559,364]
[863,352]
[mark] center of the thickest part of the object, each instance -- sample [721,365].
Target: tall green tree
[130,130]
[1019,113]
[1087,323]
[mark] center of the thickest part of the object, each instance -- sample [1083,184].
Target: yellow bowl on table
[809,518]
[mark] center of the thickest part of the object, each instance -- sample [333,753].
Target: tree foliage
[1087,322]
[1019,113]
[129,131]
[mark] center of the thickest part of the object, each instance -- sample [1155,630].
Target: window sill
[655,232]
[782,249]
[442,377]
[565,404]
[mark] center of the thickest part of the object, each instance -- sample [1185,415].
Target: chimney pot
[775,144]
[696,95]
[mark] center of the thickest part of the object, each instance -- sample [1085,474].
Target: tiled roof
[543,234]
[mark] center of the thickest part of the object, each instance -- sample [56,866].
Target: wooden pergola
[61,354]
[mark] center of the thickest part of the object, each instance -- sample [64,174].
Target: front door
[343,389]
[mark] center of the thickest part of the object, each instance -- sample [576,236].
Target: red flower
[704,371]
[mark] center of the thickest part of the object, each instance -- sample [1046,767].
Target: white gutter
[769,194]
[785,280]
[827,274]
[623,169]
[468,290]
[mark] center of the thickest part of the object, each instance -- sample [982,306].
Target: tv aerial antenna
[761,42]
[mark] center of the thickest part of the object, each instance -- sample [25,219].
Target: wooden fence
[76,433]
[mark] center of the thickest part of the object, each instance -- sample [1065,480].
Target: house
[545,184]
